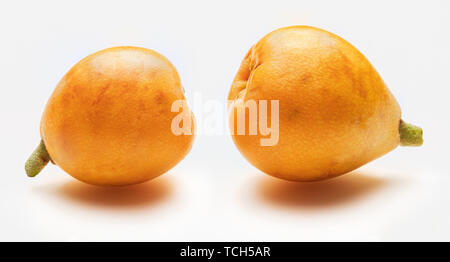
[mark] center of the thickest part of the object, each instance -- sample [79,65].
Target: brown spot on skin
[294,114]
[305,78]
[101,94]
[159,98]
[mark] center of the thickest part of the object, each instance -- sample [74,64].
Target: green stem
[37,161]
[410,135]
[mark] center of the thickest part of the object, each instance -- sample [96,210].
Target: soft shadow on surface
[141,195]
[336,191]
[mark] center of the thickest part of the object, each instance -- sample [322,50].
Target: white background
[214,194]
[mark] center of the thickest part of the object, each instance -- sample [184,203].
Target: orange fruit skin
[335,111]
[108,122]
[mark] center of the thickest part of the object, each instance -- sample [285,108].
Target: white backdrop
[214,194]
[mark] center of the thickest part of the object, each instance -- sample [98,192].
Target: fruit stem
[410,135]
[37,161]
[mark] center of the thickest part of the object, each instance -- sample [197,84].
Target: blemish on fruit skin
[305,78]
[159,98]
[294,113]
[101,94]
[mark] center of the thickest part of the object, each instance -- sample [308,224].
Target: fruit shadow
[142,195]
[328,193]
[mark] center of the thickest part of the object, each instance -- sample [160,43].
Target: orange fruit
[108,122]
[335,111]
